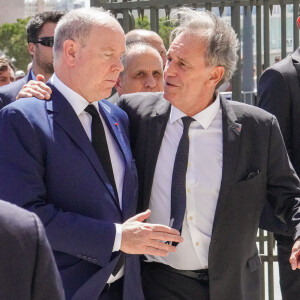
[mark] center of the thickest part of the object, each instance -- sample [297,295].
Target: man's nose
[169,69]
[118,65]
[150,82]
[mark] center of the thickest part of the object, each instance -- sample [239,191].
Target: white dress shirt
[203,181]
[79,104]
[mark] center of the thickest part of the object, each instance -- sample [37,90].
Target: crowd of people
[148,182]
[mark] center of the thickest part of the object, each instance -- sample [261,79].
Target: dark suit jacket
[252,144]
[27,266]
[9,92]
[49,166]
[279,94]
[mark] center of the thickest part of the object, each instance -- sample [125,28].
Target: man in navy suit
[49,165]
[40,32]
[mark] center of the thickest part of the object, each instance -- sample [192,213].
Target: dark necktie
[100,145]
[178,189]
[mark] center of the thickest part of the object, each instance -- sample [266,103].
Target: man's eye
[157,74]
[139,74]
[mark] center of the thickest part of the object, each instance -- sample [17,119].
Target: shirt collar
[77,102]
[32,75]
[204,117]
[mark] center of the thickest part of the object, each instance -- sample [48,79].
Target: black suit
[9,92]
[279,93]
[27,267]
[252,143]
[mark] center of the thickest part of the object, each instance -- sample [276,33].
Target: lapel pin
[116,124]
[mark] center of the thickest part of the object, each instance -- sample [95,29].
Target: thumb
[40,77]
[142,216]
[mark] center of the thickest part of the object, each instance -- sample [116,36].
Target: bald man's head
[143,70]
[149,37]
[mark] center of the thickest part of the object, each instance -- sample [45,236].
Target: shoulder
[282,69]
[13,88]
[113,109]
[16,222]
[26,106]
[141,102]
[245,112]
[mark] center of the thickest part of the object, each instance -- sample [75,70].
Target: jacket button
[95,260]
[84,257]
[90,259]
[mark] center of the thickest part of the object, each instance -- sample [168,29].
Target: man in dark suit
[279,94]
[223,159]
[40,32]
[27,269]
[85,193]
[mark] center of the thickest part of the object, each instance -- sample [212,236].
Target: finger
[23,95]
[142,216]
[38,92]
[40,77]
[162,236]
[163,228]
[293,261]
[32,84]
[162,246]
[155,251]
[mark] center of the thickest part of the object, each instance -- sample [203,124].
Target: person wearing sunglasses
[40,32]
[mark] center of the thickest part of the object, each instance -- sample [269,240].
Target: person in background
[27,267]
[149,37]
[20,74]
[40,32]
[7,71]
[279,94]
[143,71]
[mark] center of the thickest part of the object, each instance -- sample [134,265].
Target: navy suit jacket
[9,92]
[49,166]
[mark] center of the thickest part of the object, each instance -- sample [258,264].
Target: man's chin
[167,96]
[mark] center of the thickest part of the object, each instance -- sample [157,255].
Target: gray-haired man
[223,158]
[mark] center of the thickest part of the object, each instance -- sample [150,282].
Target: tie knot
[187,122]
[92,110]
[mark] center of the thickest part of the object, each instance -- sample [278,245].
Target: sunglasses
[47,41]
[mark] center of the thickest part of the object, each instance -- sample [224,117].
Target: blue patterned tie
[178,189]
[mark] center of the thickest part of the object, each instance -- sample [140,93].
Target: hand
[145,238]
[36,89]
[294,258]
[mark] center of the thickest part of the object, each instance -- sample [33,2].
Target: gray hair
[221,40]
[139,47]
[76,25]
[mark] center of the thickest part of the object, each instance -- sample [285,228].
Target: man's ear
[298,22]
[31,48]
[216,74]
[70,49]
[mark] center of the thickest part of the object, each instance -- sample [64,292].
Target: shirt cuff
[118,238]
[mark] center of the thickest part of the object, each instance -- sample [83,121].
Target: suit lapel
[231,141]
[155,132]
[114,128]
[66,118]
[296,62]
